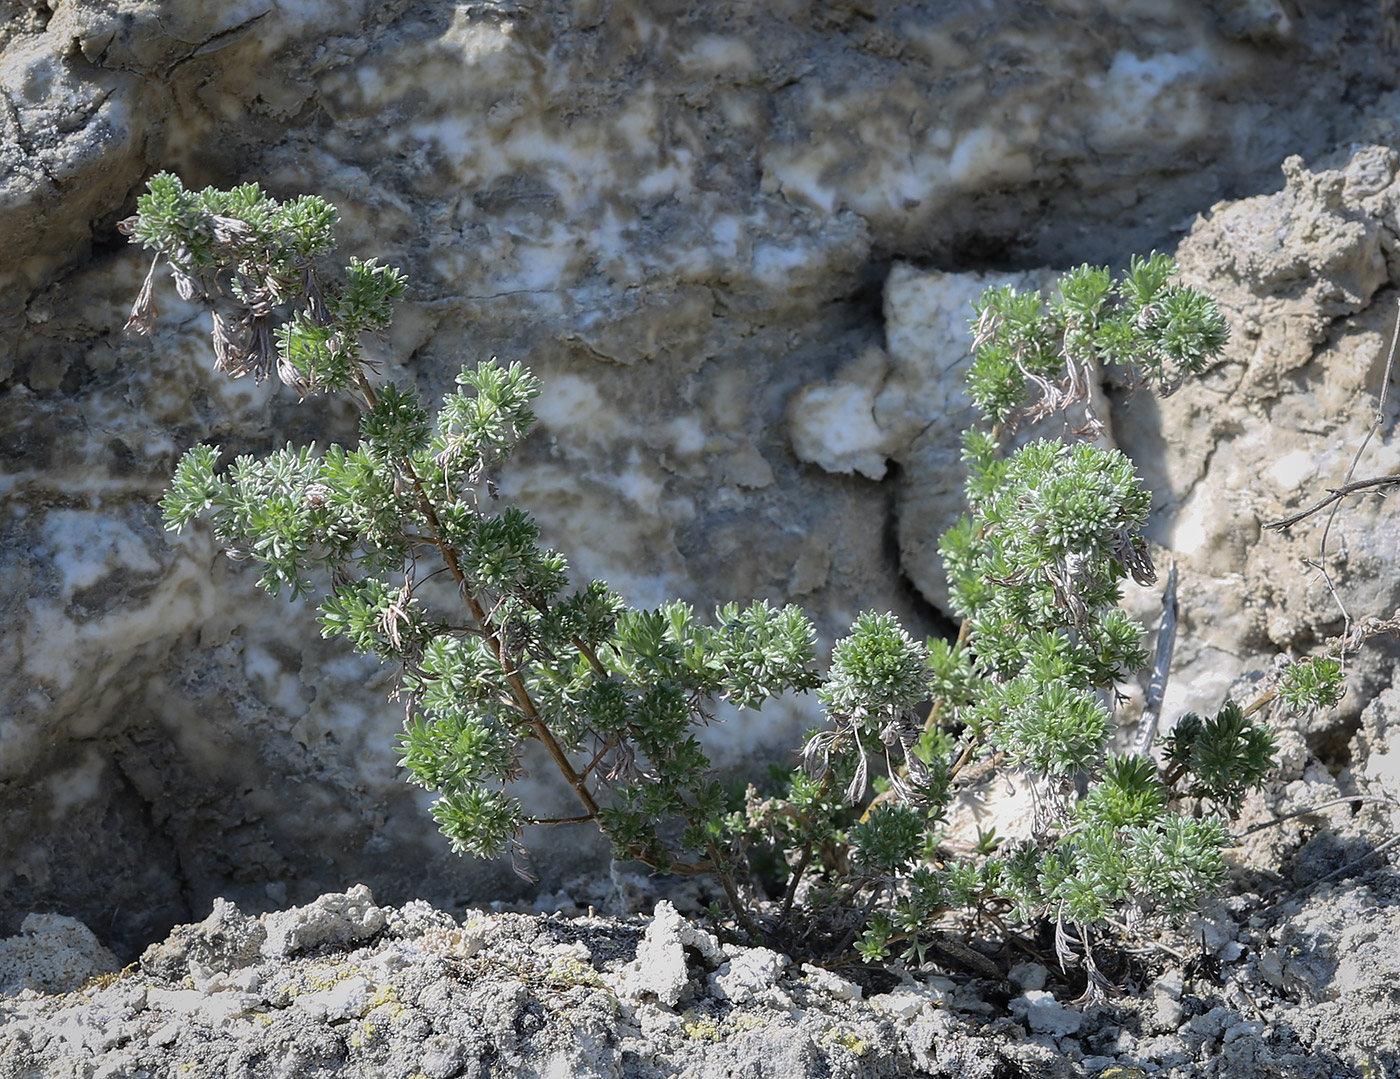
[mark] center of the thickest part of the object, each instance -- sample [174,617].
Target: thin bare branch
[1334,500]
[1355,799]
[1355,864]
[1334,495]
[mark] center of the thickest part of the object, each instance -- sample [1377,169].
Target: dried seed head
[242,347]
[394,617]
[230,231]
[143,311]
[185,285]
[1137,559]
[315,303]
[293,379]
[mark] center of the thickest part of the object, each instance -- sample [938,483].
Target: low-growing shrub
[515,652]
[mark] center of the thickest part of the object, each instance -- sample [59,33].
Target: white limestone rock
[833,985]
[907,1002]
[1298,274]
[833,424]
[226,941]
[336,918]
[1043,1014]
[751,974]
[661,970]
[52,954]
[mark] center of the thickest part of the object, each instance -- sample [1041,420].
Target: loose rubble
[347,988]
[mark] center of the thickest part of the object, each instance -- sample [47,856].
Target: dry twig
[1348,485]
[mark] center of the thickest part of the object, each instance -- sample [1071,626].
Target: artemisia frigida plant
[511,653]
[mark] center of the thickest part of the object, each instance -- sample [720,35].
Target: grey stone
[661,970]
[225,941]
[397,1006]
[749,974]
[1044,1014]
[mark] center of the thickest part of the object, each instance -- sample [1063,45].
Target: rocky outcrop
[424,993]
[737,244]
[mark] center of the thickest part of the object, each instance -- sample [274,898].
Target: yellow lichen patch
[102,981]
[570,972]
[700,1027]
[382,1008]
[326,976]
[384,994]
[839,1037]
[362,1035]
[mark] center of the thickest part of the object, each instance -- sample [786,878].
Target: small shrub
[513,653]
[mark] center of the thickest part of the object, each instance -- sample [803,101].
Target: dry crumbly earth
[1297,983]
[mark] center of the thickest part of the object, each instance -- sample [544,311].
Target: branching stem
[517,685]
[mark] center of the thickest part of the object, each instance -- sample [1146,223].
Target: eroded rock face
[1303,276]
[684,222]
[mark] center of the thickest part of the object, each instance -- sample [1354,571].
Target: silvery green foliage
[260,257]
[1156,331]
[513,652]
[509,654]
[1035,571]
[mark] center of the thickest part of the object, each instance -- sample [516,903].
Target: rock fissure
[215,42]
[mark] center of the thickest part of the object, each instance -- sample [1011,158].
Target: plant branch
[1355,799]
[517,685]
[1161,668]
[1335,494]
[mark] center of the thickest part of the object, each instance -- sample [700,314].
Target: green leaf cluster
[256,261]
[1316,682]
[1222,758]
[1157,331]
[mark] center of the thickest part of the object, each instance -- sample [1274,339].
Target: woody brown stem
[517,685]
